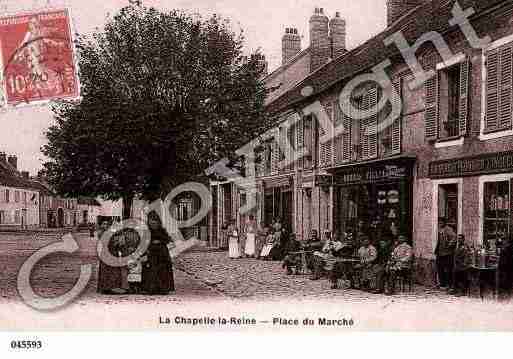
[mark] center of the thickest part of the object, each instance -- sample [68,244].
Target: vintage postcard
[329,166]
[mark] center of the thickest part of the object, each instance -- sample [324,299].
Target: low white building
[19,200]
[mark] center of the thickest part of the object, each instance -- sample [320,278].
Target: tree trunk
[128,201]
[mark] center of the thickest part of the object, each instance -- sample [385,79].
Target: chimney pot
[13,161]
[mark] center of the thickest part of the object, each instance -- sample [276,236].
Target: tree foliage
[164,95]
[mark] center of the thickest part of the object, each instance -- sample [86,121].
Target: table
[480,276]
[303,267]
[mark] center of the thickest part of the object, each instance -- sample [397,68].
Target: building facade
[447,156]
[19,200]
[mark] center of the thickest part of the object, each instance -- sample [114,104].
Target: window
[17,196]
[449,88]
[7,196]
[448,204]
[497,213]
[25,197]
[2,217]
[447,102]
[498,89]
[17,217]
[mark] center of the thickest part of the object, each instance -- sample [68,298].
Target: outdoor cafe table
[303,268]
[482,277]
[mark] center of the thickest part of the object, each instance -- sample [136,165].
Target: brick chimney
[320,47]
[290,44]
[337,36]
[13,161]
[397,8]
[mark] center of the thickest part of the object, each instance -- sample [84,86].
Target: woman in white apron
[233,241]
[249,248]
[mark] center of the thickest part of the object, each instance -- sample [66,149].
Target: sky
[264,22]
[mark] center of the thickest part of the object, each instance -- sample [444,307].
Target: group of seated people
[375,265]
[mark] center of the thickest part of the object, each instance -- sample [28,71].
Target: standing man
[461,265]
[444,252]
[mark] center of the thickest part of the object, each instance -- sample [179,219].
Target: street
[210,284]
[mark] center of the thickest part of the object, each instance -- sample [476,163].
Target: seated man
[325,258]
[340,268]
[400,261]
[292,260]
[384,252]
[367,254]
[313,244]
[462,261]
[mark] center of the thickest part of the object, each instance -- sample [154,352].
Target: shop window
[497,213]
[449,88]
[448,204]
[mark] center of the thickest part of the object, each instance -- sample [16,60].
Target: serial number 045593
[26,344]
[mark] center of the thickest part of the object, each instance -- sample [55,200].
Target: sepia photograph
[252,166]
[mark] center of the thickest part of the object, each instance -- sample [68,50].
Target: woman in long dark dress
[112,280]
[157,272]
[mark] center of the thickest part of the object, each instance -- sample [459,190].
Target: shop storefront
[378,195]
[486,181]
[278,201]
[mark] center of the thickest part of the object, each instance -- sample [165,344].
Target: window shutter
[300,144]
[363,138]
[326,148]
[275,153]
[339,140]
[505,88]
[346,136]
[397,124]
[372,123]
[492,90]
[465,78]
[431,113]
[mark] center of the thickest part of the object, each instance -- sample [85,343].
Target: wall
[9,208]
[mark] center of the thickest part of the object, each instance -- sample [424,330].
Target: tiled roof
[12,180]
[432,16]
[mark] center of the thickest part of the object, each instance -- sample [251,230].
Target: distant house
[56,211]
[90,210]
[19,199]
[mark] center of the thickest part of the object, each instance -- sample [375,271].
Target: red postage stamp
[37,57]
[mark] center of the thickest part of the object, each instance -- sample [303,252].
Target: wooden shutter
[397,124]
[505,88]
[492,90]
[326,148]
[309,145]
[431,113]
[372,123]
[346,136]
[300,143]
[363,138]
[499,96]
[275,153]
[368,126]
[465,78]
[339,139]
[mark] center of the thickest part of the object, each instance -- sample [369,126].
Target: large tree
[164,95]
